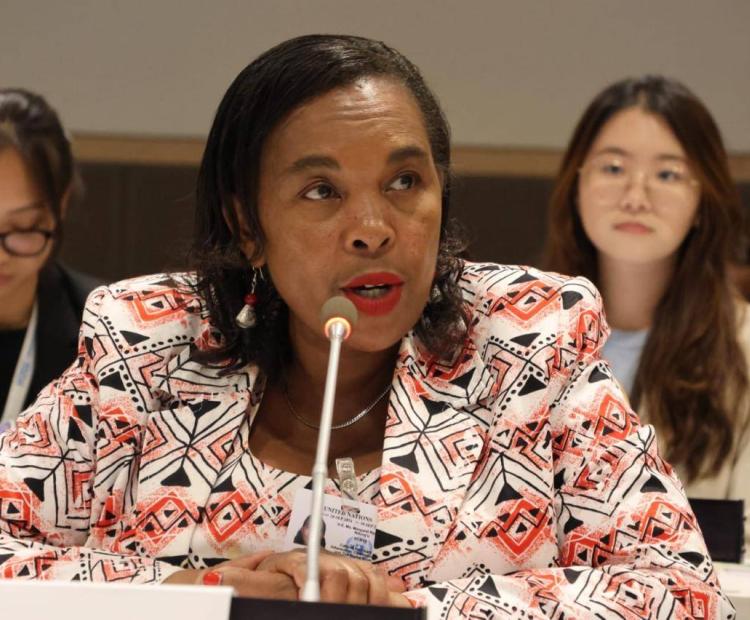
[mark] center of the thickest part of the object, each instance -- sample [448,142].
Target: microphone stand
[337,330]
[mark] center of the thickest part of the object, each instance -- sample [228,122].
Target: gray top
[623,352]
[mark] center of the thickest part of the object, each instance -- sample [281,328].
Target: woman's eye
[670,176]
[323,191]
[403,182]
[612,169]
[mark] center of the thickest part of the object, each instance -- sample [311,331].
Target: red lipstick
[375,294]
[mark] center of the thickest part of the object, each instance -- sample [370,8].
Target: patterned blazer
[516,482]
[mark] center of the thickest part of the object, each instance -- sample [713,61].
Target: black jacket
[62,294]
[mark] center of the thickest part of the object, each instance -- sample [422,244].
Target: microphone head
[338,308]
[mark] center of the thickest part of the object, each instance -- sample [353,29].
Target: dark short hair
[261,96]
[31,126]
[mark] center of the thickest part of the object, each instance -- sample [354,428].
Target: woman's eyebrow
[616,150]
[312,161]
[407,152]
[34,206]
[324,161]
[671,157]
[611,150]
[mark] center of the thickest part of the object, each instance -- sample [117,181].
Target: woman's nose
[635,196]
[369,231]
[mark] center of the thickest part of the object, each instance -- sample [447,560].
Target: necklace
[335,427]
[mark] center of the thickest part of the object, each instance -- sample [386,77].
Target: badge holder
[345,514]
[348,525]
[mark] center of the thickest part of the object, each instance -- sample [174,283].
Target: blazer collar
[464,385]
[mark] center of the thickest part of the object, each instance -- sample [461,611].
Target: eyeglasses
[665,181]
[25,242]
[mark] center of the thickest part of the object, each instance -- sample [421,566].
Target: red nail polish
[212,578]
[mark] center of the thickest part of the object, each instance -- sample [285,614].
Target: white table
[735,581]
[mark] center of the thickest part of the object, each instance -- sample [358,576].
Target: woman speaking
[506,473]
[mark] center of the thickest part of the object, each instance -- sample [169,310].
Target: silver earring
[246,318]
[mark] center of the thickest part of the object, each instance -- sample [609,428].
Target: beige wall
[509,73]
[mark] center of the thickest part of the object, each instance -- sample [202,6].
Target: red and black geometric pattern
[515,482]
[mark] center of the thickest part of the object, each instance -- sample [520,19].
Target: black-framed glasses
[26,242]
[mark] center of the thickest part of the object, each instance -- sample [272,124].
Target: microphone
[337,315]
[338,311]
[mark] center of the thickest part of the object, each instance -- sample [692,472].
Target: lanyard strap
[19,386]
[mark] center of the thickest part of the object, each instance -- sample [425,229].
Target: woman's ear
[246,239]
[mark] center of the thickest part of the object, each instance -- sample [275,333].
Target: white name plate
[41,600]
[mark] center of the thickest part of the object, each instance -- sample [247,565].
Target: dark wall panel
[504,217]
[132,220]
[139,219]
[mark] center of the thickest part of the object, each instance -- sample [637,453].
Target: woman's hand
[342,580]
[244,575]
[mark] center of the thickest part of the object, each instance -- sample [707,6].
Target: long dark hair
[692,375]
[262,95]
[31,126]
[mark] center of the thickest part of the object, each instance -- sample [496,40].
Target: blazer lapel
[434,436]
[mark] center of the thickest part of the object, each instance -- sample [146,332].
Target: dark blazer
[62,295]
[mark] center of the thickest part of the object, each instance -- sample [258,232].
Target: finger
[258,584]
[334,583]
[218,576]
[395,583]
[249,562]
[357,574]
[212,578]
[358,587]
[285,562]
[272,586]
[378,589]
[292,564]
[295,565]
[396,599]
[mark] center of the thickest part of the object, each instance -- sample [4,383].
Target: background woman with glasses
[644,206]
[40,301]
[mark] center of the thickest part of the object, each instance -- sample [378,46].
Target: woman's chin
[373,342]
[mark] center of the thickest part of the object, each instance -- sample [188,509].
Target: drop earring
[436,295]
[246,318]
